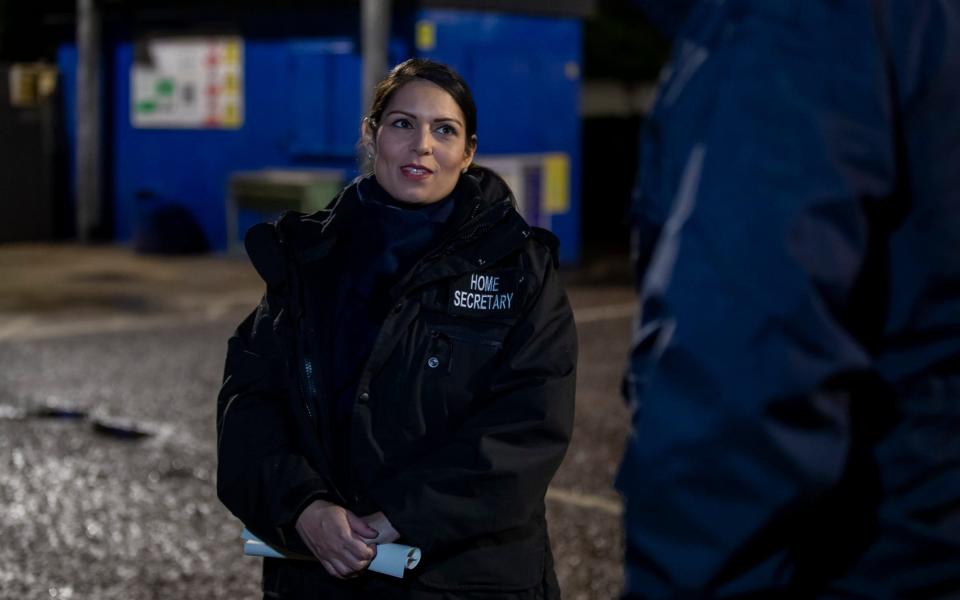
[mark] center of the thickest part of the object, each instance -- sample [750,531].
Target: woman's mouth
[415,172]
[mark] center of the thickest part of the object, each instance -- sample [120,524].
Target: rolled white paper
[391,559]
[394,559]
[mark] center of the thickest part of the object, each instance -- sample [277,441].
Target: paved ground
[124,339]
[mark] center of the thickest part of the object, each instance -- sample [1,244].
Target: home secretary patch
[493,293]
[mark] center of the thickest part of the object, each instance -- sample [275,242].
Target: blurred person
[795,370]
[409,374]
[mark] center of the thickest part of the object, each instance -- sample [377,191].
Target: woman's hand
[337,537]
[378,521]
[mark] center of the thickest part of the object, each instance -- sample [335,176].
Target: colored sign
[426,36]
[556,195]
[188,82]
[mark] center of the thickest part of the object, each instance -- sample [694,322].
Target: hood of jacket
[486,200]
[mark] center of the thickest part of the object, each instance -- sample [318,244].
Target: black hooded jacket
[463,410]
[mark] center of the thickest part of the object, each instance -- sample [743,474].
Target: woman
[409,373]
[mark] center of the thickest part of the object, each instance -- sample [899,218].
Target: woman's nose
[423,143]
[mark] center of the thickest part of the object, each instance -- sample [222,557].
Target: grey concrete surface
[103,331]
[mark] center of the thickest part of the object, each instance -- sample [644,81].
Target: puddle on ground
[106,301]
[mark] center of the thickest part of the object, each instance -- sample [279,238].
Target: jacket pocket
[508,561]
[458,369]
[439,379]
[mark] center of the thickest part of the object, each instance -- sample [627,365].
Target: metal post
[375,17]
[88,120]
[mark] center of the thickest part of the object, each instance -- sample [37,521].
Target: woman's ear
[367,137]
[470,151]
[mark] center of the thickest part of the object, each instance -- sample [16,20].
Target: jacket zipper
[311,391]
[471,339]
[305,367]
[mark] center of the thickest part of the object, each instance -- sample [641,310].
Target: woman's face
[421,146]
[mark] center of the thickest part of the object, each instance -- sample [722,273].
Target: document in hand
[391,559]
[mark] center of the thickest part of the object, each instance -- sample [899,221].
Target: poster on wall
[187,82]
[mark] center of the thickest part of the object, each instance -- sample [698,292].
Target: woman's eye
[447,130]
[404,123]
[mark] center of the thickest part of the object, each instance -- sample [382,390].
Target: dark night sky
[618,41]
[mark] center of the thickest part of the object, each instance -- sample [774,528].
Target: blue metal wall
[524,73]
[302,108]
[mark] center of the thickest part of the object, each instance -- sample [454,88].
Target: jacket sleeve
[493,472]
[262,476]
[752,374]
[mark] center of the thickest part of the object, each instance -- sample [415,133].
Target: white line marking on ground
[15,327]
[607,505]
[102,325]
[35,328]
[221,307]
[94,326]
[592,314]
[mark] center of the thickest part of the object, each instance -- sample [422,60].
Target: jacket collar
[483,200]
[468,244]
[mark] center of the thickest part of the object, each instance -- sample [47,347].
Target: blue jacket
[795,374]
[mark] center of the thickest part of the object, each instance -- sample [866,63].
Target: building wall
[302,109]
[525,76]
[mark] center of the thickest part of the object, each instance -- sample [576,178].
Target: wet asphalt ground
[109,368]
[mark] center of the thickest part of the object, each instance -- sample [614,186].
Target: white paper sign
[187,82]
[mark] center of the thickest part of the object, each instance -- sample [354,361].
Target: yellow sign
[231,116]
[231,53]
[556,189]
[426,35]
[31,83]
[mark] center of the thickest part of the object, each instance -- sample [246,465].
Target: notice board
[187,82]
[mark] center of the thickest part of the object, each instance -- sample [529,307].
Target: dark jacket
[462,414]
[796,369]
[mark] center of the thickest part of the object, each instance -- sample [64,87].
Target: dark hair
[424,69]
